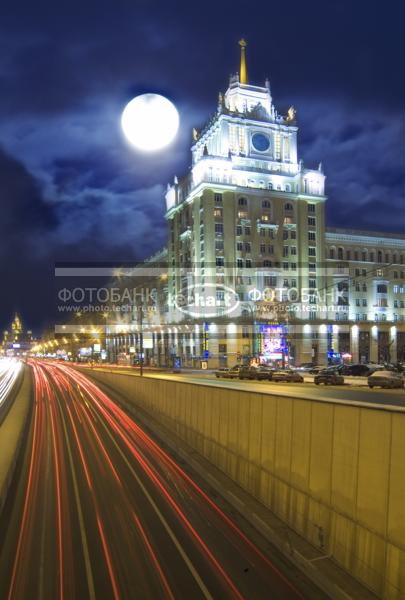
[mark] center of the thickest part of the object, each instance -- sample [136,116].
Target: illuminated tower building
[16,341]
[248,217]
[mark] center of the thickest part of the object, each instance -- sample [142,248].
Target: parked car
[262,372]
[227,373]
[385,379]
[306,367]
[356,370]
[287,375]
[329,377]
[315,369]
[247,372]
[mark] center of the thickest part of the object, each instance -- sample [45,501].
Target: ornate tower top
[243,72]
[16,325]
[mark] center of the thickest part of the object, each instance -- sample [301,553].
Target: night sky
[72,189]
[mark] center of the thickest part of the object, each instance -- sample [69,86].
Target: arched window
[270,186]
[266,204]
[332,253]
[242,201]
[288,207]
[287,187]
[340,254]
[379,256]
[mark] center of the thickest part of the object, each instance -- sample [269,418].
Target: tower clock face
[260,142]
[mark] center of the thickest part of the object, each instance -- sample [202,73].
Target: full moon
[150,122]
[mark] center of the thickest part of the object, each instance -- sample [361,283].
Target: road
[101,511]
[338,393]
[9,371]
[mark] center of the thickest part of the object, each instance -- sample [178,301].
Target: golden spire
[243,73]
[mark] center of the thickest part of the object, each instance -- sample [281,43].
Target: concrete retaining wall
[333,472]
[12,431]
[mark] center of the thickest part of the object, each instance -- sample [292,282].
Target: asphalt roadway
[100,510]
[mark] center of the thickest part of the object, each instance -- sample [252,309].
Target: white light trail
[9,370]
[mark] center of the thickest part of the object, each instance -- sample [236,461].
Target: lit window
[241,139]
[277,146]
[286,148]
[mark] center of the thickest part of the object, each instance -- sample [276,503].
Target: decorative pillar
[354,343]
[374,344]
[393,344]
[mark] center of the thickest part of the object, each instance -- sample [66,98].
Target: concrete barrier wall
[335,473]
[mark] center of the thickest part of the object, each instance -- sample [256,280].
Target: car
[306,367]
[356,370]
[329,377]
[315,369]
[385,379]
[227,373]
[288,376]
[247,372]
[263,372]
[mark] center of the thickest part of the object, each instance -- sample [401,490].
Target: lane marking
[165,524]
[87,562]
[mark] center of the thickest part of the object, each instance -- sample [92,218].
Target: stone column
[393,344]
[374,344]
[303,343]
[354,343]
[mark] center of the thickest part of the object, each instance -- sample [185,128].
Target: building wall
[332,472]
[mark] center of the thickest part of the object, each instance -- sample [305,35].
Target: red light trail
[105,507]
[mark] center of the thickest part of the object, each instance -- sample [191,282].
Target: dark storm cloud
[72,189]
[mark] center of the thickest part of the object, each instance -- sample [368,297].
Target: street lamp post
[252,310]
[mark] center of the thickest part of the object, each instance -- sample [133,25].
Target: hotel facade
[251,271]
